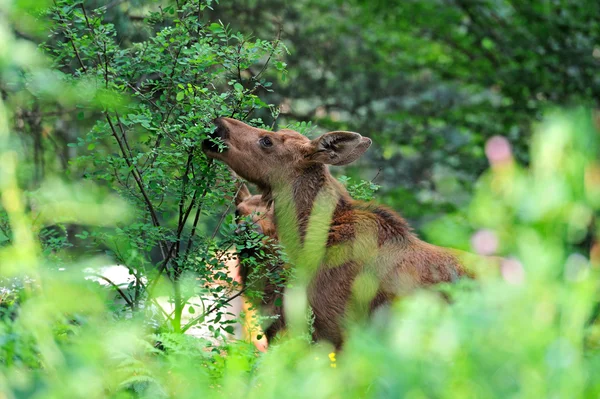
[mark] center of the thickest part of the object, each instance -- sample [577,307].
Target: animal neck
[312,192]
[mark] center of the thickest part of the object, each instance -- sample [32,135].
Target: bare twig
[376,175]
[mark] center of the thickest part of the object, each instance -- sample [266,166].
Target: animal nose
[221,131]
[253,226]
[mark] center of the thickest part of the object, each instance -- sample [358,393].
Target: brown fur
[366,242]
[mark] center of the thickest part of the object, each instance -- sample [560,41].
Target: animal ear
[242,194]
[338,148]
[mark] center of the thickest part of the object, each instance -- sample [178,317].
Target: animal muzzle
[254,226]
[221,132]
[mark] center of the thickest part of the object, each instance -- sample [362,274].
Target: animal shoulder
[355,217]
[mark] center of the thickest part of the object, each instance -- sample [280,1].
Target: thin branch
[182,199]
[70,37]
[226,212]
[77,55]
[151,160]
[123,295]
[138,180]
[211,309]
[165,262]
[376,174]
[250,111]
[87,22]
[142,95]
[106,68]
[275,45]
[124,136]
[195,224]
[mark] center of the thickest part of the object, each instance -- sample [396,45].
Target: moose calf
[370,256]
[263,221]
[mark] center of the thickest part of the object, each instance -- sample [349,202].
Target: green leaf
[229,329]
[3,237]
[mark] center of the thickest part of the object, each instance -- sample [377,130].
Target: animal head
[269,158]
[257,209]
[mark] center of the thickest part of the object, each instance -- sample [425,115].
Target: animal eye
[266,142]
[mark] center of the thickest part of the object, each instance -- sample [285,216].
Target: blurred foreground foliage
[530,331]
